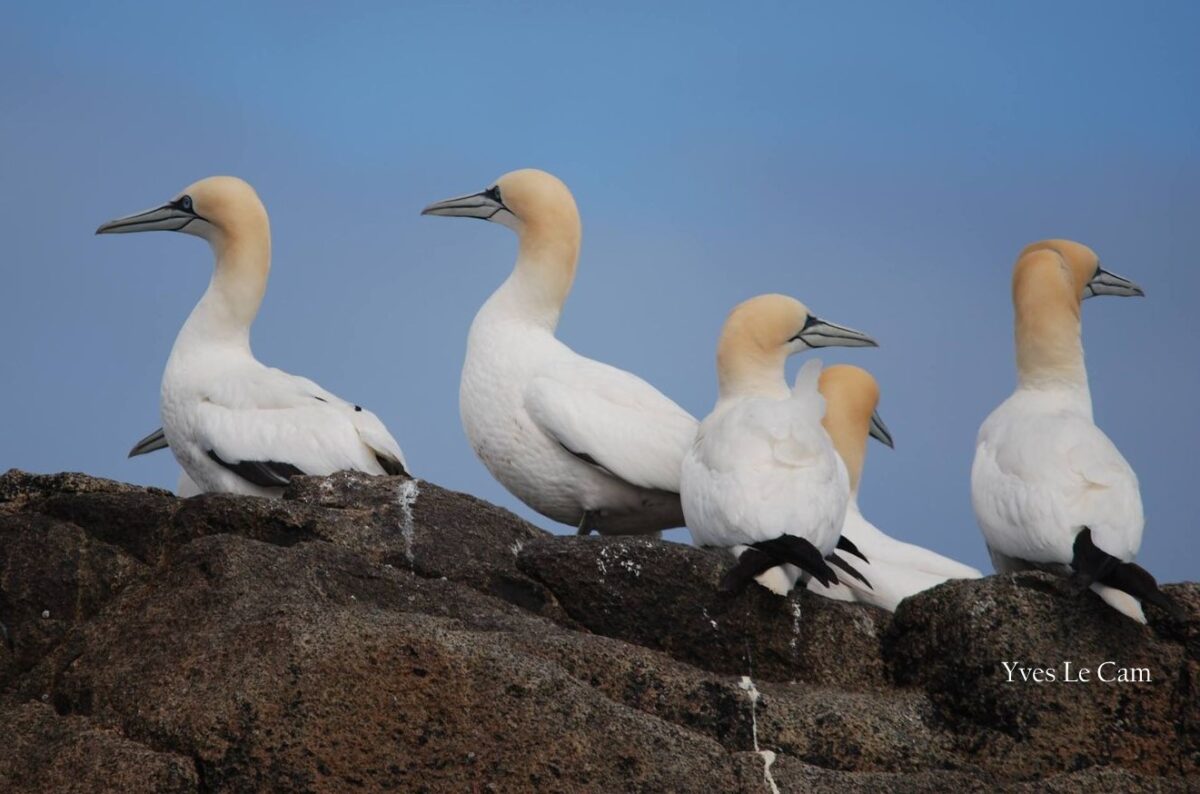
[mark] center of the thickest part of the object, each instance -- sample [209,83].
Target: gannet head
[518,200]
[851,399]
[215,208]
[761,333]
[1082,266]
[852,396]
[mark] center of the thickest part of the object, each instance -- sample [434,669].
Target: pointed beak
[476,205]
[167,218]
[1105,283]
[880,432]
[819,333]
[151,443]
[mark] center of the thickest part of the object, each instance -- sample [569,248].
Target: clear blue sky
[883,162]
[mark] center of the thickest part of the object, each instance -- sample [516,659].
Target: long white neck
[228,307]
[542,277]
[751,372]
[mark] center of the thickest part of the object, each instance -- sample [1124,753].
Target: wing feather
[620,422]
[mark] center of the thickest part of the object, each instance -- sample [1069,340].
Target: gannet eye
[493,193]
[186,203]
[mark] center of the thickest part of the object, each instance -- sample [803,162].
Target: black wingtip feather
[1093,564]
[391,466]
[264,473]
[752,563]
[801,553]
[844,544]
[845,566]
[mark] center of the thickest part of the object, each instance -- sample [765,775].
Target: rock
[664,596]
[956,640]
[381,633]
[53,576]
[361,676]
[43,752]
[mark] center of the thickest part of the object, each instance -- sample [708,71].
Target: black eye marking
[184,203]
[494,194]
[357,408]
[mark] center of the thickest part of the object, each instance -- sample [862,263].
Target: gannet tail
[1095,566]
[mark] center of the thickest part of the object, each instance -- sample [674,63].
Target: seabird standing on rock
[234,424]
[763,477]
[1050,490]
[895,569]
[579,441]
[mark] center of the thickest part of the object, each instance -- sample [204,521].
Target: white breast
[760,469]
[1042,471]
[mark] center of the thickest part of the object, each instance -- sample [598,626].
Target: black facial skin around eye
[184,203]
[494,194]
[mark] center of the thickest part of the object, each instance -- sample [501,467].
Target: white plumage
[577,440]
[226,404]
[234,424]
[1044,475]
[1042,470]
[762,467]
[895,569]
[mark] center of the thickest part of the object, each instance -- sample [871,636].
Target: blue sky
[883,162]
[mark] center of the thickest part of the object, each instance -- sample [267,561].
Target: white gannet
[579,441]
[1050,490]
[154,442]
[234,424]
[895,569]
[762,477]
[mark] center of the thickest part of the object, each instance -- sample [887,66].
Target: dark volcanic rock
[664,596]
[955,640]
[52,576]
[43,752]
[384,634]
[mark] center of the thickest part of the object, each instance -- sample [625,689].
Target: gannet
[895,569]
[154,442]
[1050,490]
[234,424]
[762,477]
[578,441]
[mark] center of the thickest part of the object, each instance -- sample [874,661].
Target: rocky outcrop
[379,633]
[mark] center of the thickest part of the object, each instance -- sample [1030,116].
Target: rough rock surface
[383,634]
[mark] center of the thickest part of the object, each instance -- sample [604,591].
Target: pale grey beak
[819,333]
[484,205]
[1105,283]
[151,443]
[167,218]
[879,431]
